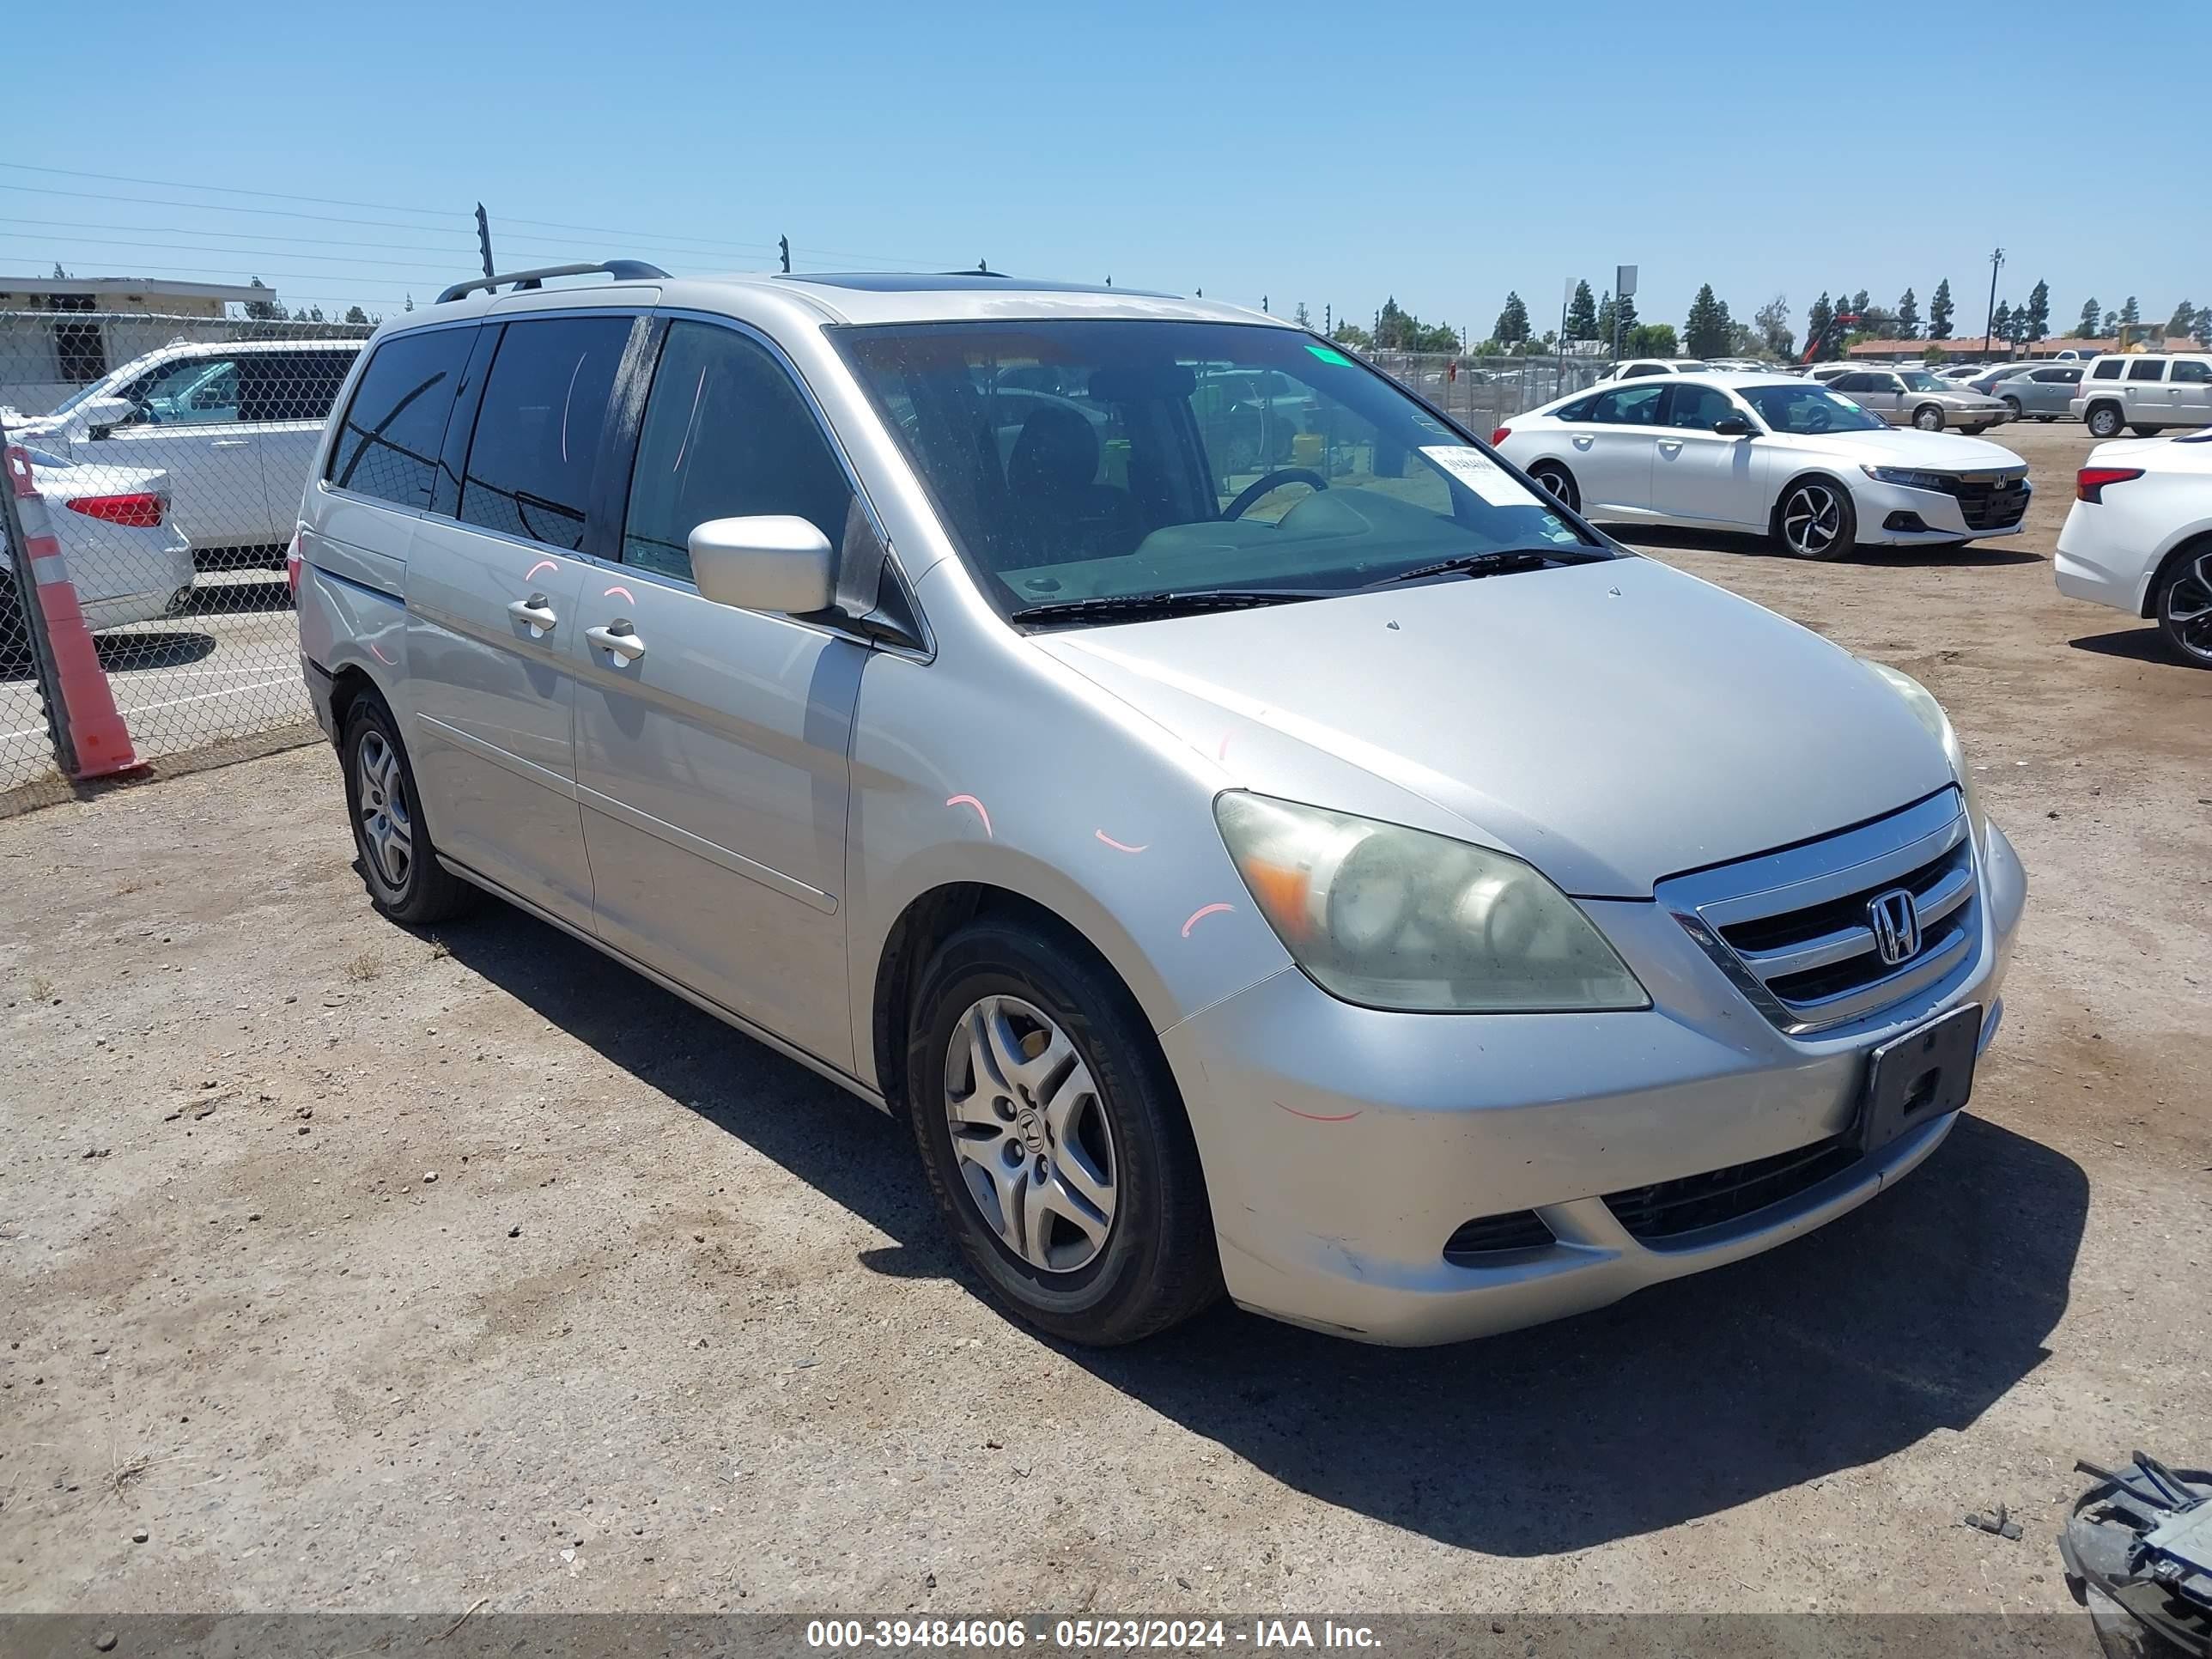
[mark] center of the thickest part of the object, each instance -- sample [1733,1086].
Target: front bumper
[1888,512]
[1343,1147]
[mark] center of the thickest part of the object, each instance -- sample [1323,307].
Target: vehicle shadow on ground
[1971,557]
[2144,643]
[228,597]
[168,649]
[1913,1314]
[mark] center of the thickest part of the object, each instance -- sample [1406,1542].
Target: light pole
[1990,327]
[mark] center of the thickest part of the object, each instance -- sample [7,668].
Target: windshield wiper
[1499,561]
[1125,606]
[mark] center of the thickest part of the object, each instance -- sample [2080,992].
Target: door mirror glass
[771,562]
[99,414]
[1732,425]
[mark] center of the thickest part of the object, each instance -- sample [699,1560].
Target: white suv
[234,424]
[2145,391]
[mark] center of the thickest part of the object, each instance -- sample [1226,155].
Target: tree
[1939,311]
[1582,314]
[409,305]
[1650,340]
[2038,310]
[1933,356]
[355,314]
[2001,322]
[2204,335]
[1705,330]
[1819,319]
[1624,309]
[1773,322]
[2111,325]
[60,276]
[263,310]
[1860,304]
[1352,335]
[1606,310]
[2131,313]
[1300,318]
[1512,322]
[2087,328]
[2183,320]
[1908,316]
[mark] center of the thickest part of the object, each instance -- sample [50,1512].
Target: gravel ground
[355,1269]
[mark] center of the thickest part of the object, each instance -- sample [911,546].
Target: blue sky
[1438,153]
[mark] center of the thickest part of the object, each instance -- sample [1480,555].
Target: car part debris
[2001,1523]
[2140,1542]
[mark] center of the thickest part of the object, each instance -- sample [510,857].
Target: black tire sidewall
[2103,423]
[1572,498]
[369,714]
[2165,623]
[1847,521]
[1115,1297]
[1942,419]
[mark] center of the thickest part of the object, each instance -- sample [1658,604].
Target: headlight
[1922,701]
[1907,476]
[1390,917]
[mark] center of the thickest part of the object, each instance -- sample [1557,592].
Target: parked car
[1913,397]
[1635,368]
[235,425]
[1960,372]
[125,557]
[1799,462]
[2139,537]
[1985,382]
[1109,833]
[2145,391]
[2040,392]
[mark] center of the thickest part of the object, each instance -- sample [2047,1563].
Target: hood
[1904,446]
[1613,724]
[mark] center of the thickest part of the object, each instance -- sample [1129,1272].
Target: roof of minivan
[872,297]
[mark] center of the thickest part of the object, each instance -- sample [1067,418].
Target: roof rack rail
[623,270]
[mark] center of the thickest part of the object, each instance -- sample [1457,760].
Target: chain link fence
[1484,393]
[170,453]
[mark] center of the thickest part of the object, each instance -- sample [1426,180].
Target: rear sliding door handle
[618,638]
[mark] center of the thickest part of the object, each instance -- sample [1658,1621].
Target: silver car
[1913,397]
[2035,391]
[1328,879]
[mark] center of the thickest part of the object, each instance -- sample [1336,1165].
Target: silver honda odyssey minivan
[1255,840]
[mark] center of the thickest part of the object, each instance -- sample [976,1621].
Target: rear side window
[2142,370]
[290,386]
[1630,406]
[1578,411]
[2195,373]
[538,431]
[2106,369]
[726,435]
[388,444]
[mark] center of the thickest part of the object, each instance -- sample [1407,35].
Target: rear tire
[1816,519]
[1071,1105]
[2184,606]
[2104,420]
[2142,431]
[399,862]
[1974,431]
[2013,403]
[1559,483]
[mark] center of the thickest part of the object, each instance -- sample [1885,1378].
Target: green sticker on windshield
[1330,354]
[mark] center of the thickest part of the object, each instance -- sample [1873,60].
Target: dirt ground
[353,1269]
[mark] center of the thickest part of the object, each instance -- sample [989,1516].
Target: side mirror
[1733,426]
[99,414]
[769,562]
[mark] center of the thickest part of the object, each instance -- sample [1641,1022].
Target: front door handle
[537,612]
[618,638]
[1670,443]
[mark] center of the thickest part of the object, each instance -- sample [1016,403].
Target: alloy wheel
[2188,607]
[1811,519]
[387,831]
[1030,1134]
[1930,420]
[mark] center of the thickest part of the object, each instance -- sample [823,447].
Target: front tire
[1975,431]
[1559,483]
[1816,519]
[2142,431]
[2184,607]
[2104,420]
[1054,1139]
[1929,417]
[398,864]
[2013,403]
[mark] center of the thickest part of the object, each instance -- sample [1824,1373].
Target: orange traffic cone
[88,717]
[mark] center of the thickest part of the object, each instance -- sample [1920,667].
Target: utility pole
[1990,327]
[783,245]
[483,240]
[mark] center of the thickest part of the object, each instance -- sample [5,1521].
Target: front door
[495,606]
[712,744]
[1699,473]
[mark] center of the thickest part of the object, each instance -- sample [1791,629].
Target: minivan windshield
[1803,408]
[1106,460]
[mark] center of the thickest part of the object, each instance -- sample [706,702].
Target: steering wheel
[1817,418]
[1259,486]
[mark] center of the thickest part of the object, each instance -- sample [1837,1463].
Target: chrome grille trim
[1822,970]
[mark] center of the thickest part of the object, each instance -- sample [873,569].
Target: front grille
[1489,1236]
[1989,505]
[1669,1209]
[1795,930]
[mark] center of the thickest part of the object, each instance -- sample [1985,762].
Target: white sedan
[125,556]
[2139,537]
[1765,452]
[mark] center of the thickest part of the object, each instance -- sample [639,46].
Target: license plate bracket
[1919,1077]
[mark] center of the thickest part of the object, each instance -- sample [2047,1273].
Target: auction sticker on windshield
[1482,475]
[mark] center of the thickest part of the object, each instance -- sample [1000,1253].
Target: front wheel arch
[1811,476]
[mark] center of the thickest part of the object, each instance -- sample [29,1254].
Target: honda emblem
[1895,919]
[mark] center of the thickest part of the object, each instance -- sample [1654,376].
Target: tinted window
[1631,373]
[538,431]
[195,391]
[1635,406]
[1578,411]
[2142,369]
[2109,369]
[726,435]
[2058,376]
[1805,409]
[2195,373]
[290,386]
[1699,407]
[1851,382]
[388,444]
